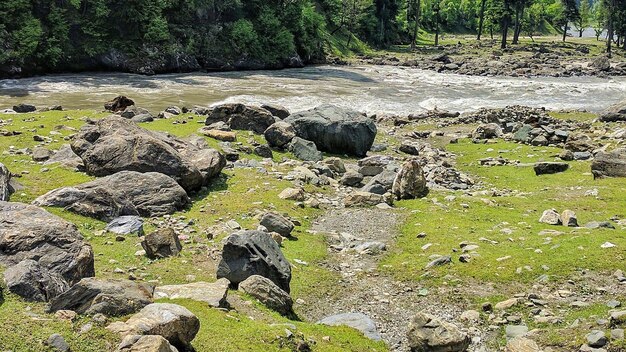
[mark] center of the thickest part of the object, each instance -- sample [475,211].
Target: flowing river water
[371,89]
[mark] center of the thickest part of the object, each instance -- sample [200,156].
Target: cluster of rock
[526,60]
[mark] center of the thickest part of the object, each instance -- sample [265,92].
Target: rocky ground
[493,230]
[542,58]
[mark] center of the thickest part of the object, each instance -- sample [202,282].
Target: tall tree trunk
[505,28]
[609,40]
[580,32]
[482,19]
[517,26]
[565,31]
[417,23]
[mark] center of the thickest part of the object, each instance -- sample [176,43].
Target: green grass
[449,223]
[238,194]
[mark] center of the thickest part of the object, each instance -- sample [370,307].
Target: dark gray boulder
[277,110]
[241,117]
[161,243]
[112,298]
[124,193]
[5,183]
[31,281]
[547,168]
[279,134]
[24,108]
[44,254]
[611,164]
[114,144]
[250,253]
[304,150]
[277,223]
[119,103]
[335,130]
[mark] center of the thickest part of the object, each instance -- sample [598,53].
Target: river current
[371,89]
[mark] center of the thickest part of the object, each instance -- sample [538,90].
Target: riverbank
[547,57]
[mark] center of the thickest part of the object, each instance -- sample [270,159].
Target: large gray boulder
[614,113]
[267,293]
[43,253]
[429,334]
[335,130]
[124,193]
[250,253]
[114,144]
[610,164]
[410,182]
[173,322]
[112,298]
[5,183]
[241,117]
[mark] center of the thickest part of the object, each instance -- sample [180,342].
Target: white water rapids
[371,89]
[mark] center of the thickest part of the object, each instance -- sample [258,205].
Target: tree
[414,12]
[570,13]
[481,16]
[584,19]
[599,19]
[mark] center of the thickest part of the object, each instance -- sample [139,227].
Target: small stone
[57,343]
[596,338]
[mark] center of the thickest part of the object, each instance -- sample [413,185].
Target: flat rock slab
[358,321]
[212,293]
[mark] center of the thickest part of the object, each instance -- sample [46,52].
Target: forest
[152,36]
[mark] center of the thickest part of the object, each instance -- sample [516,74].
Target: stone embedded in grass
[304,149]
[513,331]
[212,293]
[610,164]
[146,343]
[161,243]
[175,323]
[522,344]
[24,108]
[296,194]
[358,321]
[225,136]
[506,304]
[442,260]
[568,218]
[546,168]
[267,293]
[274,222]
[125,225]
[6,189]
[410,182]
[241,117]
[57,343]
[248,253]
[487,131]
[551,217]
[364,199]
[596,339]
[429,333]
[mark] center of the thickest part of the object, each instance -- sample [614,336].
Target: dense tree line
[78,34]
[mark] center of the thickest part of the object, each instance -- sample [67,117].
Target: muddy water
[367,88]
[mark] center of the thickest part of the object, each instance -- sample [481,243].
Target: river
[371,89]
